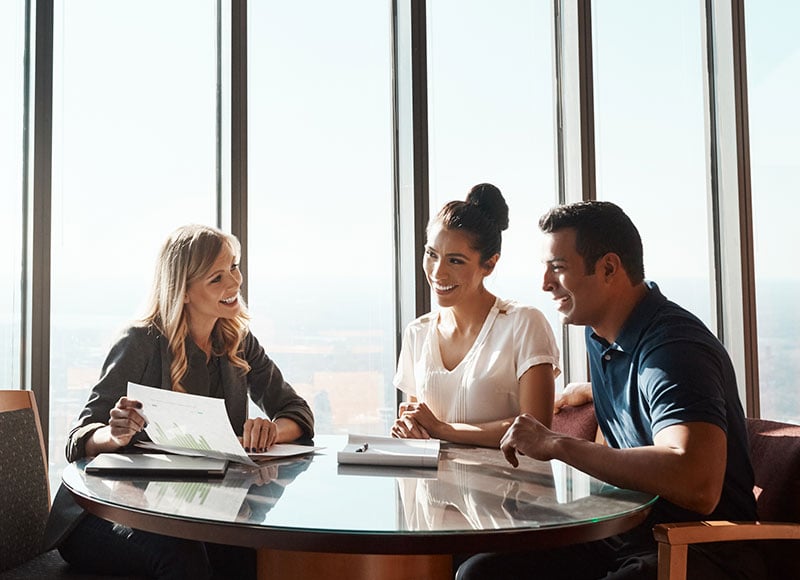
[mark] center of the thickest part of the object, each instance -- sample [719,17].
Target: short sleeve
[404,378]
[688,391]
[535,341]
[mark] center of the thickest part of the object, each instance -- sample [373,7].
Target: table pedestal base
[283,565]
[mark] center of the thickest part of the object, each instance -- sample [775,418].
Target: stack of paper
[381,450]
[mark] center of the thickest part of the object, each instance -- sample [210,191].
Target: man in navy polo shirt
[666,400]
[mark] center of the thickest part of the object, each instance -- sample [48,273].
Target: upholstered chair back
[577,422]
[24,493]
[775,454]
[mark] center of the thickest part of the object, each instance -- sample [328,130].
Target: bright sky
[117,137]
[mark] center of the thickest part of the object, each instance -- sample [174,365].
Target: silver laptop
[156,464]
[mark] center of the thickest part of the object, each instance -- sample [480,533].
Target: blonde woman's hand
[259,434]
[125,421]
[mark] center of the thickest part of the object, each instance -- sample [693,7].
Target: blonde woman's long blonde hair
[187,256]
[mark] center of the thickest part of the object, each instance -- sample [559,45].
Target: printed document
[188,424]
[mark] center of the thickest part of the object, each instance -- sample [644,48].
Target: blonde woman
[194,339]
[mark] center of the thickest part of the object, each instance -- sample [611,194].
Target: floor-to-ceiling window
[648,87]
[12,85]
[773,75]
[320,204]
[134,155]
[491,119]
[134,138]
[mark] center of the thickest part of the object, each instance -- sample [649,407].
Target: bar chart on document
[174,435]
[181,423]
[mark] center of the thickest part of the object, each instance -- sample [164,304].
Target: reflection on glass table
[311,514]
[476,490]
[246,494]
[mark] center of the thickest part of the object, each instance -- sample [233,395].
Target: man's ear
[610,265]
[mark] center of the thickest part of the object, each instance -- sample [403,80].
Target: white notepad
[380,450]
[156,464]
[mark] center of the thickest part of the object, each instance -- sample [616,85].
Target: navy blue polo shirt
[667,368]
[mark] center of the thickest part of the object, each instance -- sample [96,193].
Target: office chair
[579,422]
[775,454]
[25,494]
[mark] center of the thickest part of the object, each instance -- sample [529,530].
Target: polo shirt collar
[638,321]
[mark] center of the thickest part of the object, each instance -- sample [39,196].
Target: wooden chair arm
[674,539]
[724,531]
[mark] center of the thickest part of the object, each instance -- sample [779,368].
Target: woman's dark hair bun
[490,201]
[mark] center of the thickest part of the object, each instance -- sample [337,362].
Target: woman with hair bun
[479,361]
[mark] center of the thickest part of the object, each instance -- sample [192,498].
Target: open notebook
[156,464]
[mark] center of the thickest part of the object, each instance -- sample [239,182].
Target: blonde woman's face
[215,295]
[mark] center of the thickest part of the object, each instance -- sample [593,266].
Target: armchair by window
[577,422]
[775,453]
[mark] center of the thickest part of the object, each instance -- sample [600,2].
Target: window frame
[727,153]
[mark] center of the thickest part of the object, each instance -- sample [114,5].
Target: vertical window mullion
[37,374]
[411,181]
[729,188]
[575,135]
[238,132]
[574,87]
[411,159]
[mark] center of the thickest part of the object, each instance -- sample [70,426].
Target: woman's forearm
[100,441]
[482,434]
[288,430]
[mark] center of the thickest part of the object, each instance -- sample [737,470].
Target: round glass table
[310,513]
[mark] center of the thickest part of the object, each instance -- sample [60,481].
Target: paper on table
[188,424]
[284,450]
[383,450]
[277,451]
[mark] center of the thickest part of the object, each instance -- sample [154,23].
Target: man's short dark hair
[600,227]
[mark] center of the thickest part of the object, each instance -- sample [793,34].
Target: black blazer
[141,355]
